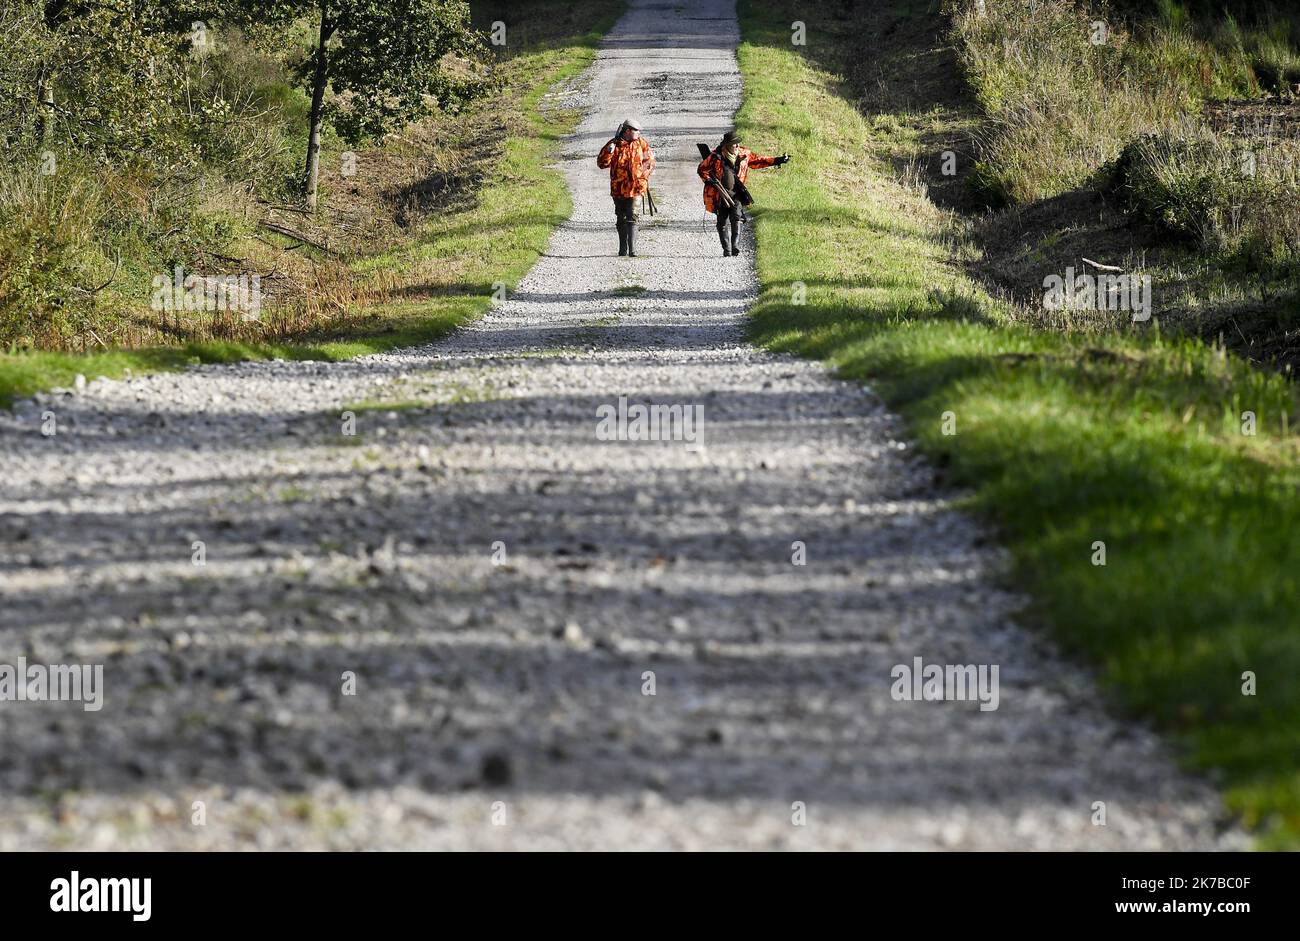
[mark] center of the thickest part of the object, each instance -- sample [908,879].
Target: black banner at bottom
[335,891]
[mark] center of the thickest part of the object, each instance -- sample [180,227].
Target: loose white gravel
[521,683]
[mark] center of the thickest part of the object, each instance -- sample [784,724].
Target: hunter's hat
[731,137]
[632,123]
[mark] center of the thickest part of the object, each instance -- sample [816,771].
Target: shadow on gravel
[569,421]
[467,678]
[527,675]
[463,712]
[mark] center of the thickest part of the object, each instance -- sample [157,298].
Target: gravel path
[513,686]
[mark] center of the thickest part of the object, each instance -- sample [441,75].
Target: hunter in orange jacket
[711,166]
[728,165]
[630,162]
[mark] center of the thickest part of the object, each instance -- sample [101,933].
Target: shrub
[1236,198]
[46,234]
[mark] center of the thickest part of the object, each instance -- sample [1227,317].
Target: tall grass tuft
[1066,88]
[1229,197]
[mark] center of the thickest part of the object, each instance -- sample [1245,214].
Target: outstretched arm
[759,162]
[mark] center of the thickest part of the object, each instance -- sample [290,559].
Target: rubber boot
[631,238]
[722,237]
[735,238]
[622,237]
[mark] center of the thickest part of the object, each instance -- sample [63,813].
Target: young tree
[103,74]
[388,62]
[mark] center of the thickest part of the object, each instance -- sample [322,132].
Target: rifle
[722,193]
[618,135]
[742,196]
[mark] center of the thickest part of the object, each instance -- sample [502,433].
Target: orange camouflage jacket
[630,166]
[711,165]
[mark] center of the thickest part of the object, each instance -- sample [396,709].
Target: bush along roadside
[1145,486]
[1221,196]
[446,269]
[1066,85]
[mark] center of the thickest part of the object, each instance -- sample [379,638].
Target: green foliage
[1274,54]
[173,98]
[43,255]
[389,66]
[387,63]
[109,182]
[114,74]
[70,220]
[25,46]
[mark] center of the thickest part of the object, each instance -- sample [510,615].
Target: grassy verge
[445,273]
[1064,441]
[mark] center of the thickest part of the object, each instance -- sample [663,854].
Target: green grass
[495,242]
[1062,441]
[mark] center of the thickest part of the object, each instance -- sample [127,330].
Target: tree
[120,67]
[388,62]
[101,77]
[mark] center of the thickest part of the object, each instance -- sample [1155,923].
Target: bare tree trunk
[45,109]
[318,83]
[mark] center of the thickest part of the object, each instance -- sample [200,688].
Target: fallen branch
[279,248]
[290,233]
[91,292]
[1100,267]
[305,212]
